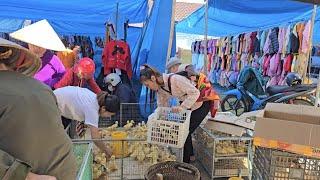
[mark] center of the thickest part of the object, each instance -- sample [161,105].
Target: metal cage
[223,155]
[270,164]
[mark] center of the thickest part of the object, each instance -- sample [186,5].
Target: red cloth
[71,79]
[253,39]
[116,54]
[287,63]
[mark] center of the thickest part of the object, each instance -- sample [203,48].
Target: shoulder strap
[169,85]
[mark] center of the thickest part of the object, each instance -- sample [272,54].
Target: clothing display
[274,52]
[116,55]
[83,41]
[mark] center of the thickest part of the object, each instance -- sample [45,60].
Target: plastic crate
[273,164]
[83,153]
[167,128]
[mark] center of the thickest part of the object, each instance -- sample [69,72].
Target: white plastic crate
[167,128]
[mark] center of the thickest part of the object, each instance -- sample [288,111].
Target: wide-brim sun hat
[173,61]
[23,60]
[40,34]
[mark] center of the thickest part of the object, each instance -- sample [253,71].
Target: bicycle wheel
[230,103]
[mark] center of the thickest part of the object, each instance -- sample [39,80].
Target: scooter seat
[271,90]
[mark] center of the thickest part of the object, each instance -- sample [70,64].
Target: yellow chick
[141,156]
[112,164]
[153,155]
[128,125]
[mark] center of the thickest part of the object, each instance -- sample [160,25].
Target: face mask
[110,87]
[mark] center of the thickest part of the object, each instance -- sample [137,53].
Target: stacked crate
[223,155]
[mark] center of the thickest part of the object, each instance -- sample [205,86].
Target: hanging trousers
[197,116]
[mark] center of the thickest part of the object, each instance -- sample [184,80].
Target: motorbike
[250,93]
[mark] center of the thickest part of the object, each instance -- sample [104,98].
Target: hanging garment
[287,63]
[209,57]
[288,39]
[301,64]
[266,63]
[234,45]
[274,63]
[247,42]
[306,38]
[256,45]
[293,64]
[253,37]
[200,64]
[281,40]
[294,40]
[116,54]
[263,38]
[266,47]
[274,43]
[195,55]
[300,28]
[210,49]
[244,59]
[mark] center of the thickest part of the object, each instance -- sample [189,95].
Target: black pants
[197,116]
[65,121]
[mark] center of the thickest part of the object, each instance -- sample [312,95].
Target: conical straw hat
[40,34]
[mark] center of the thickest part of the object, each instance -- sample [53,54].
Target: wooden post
[310,43]
[206,39]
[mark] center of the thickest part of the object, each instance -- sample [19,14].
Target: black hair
[147,71]
[112,103]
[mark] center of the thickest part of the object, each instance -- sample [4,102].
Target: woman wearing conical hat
[41,39]
[33,145]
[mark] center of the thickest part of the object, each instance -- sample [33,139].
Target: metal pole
[117,17]
[310,42]
[206,39]
[171,30]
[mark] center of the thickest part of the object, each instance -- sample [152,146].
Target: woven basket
[172,171]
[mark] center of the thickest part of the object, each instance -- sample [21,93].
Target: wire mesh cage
[129,111]
[281,165]
[223,155]
[136,156]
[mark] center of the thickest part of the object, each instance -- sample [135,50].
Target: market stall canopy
[310,1]
[231,17]
[72,16]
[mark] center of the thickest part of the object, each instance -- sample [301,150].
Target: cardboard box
[227,122]
[225,128]
[246,120]
[294,128]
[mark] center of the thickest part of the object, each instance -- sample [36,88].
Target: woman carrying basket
[178,86]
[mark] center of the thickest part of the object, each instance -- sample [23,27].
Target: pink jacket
[181,88]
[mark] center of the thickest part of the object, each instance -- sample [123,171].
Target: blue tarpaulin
[74,16]
[231,17]
[77,17]
[154,46]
